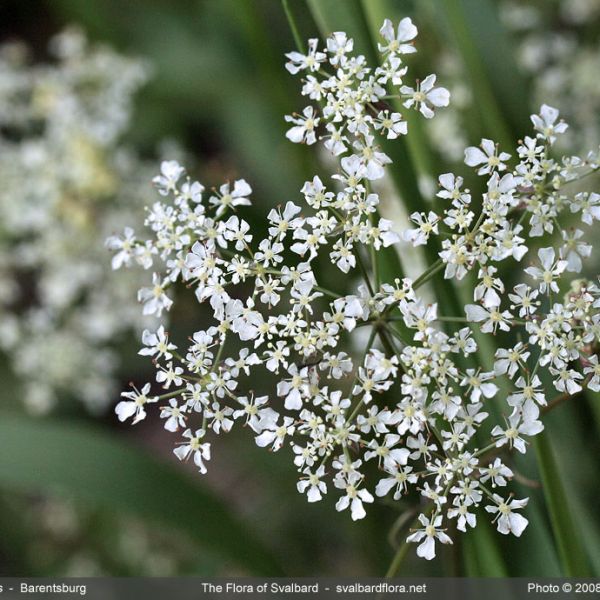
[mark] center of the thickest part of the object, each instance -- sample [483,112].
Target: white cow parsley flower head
[415,401]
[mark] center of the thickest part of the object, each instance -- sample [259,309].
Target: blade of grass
[101,470]
[480,552]
[487,105]
[568,538]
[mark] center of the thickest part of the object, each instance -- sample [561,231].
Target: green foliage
[568,539]
[99,469]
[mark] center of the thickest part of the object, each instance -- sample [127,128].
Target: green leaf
[568,539]
[99,469]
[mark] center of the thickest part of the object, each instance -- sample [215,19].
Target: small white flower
[311,61]
[427,535]
[545,123]
[487,156]
[174,414]
[170,173]
[194,447]
[155,299]
[492,318]
[398,41]
[227,197]
[426,97]
[550,271]
[134,406]
[593,369]
[124,246]
[157,344]
[507,520]
[304,127]
[523,421]
[354,497]
[312,484]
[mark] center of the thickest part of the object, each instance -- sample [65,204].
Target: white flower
[460,511]
[174,414]
[479,384]
[312,484]
[194,447]
[135,405]
[274,435]
[489,288]
[567,380]
[157,344]
[399,478]
[386,453]
[293,389]
[155,299]
[451,189]
[354,497]
[593,369]
[169,375]
[545,123]
[550,271]
[426,97]
[574,250]
[271,312]
[392,124]
[255,412]
[304,126]
[338,45]
[429,533]
[282,222]
[237,230]
[398,42]
[427,224]
[524,298]
[529,389]
[589,205]
[497,473]
[125,247]
[509,360]
[507,520]
[230,198]
[487,156]
[523,421]
[170,173]
[311,61]
[492,318]
[220,417]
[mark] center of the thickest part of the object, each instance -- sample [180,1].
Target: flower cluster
[66,183]
[413,412]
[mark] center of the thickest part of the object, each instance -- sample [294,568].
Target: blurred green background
[83,495]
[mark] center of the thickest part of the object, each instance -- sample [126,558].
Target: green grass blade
[100,470]
[568,539]
[480,552]
[469,23]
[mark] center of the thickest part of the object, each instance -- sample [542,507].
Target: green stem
[293,26]
[363,271]
[403,548]
[360,402]
[428,273]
